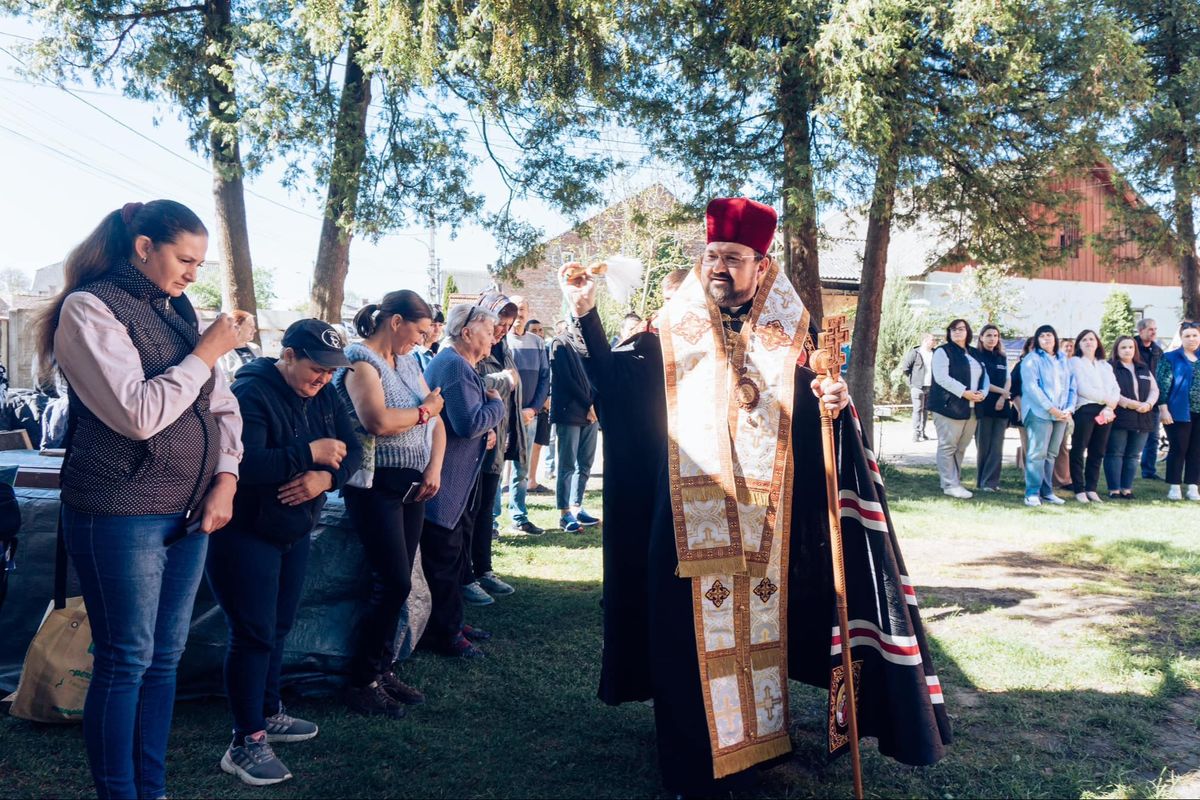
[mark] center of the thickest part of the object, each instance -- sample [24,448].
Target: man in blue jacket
[533,366]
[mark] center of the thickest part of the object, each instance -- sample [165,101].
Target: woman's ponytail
[364,320]
[111,243]
[407,304]
[90,259]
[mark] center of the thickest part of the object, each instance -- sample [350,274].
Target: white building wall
[1070,306]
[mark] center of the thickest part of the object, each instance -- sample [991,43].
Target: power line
[159,145]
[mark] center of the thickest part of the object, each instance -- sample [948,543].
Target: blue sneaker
[569,523]
[586,519]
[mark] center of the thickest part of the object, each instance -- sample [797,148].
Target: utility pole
[435,271]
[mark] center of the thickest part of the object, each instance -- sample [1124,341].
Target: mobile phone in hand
[411,495]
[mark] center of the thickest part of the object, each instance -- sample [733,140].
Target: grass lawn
[1067,640]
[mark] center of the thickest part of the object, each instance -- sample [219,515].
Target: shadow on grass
[942,601]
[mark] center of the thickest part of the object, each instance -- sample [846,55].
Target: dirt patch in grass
[1138,595]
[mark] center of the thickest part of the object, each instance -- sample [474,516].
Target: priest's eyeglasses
[729,260]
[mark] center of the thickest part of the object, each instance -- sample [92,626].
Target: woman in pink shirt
[153,445]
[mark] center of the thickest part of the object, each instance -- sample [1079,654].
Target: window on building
[1070,239]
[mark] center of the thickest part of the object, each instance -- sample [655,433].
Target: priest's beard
[725,295]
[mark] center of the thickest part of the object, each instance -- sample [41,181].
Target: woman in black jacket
[299,444]
[992,413]
[1135,417]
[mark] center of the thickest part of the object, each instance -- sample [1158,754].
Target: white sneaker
[1032,500]
[1094,497]
[959,492]
[1193,492]
[1173,493]
[1054,500]
[1082,497]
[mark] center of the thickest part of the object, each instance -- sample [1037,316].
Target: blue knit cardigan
[468,415]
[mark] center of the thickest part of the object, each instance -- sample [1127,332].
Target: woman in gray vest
[402,463]
[959,382]
[153,446]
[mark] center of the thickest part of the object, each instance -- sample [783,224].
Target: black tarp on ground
[318,649]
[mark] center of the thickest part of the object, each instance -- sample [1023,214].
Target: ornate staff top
[830,357]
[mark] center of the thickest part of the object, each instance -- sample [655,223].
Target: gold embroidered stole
[729,412]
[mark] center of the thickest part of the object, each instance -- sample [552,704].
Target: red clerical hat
[741,220]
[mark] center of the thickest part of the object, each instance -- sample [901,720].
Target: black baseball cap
[318,341]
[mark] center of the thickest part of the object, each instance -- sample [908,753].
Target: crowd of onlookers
[1081,405]
[174,473]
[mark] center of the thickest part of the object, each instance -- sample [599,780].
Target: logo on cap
[330,337]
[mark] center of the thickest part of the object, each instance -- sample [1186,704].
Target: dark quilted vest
[106,473]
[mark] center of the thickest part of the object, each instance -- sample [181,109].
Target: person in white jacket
[1097,395]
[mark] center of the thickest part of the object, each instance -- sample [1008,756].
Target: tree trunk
[800,256]
[1185,227]
[341,200]
[861,372]
[1181,157]
[228,194]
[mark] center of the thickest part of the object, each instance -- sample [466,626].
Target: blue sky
[69,158]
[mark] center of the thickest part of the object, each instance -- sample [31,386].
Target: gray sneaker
[494,585]
[284,728]
[474,595]
[255,762]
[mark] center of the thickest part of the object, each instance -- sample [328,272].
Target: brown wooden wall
[1092,188]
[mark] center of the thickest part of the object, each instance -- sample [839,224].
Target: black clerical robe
[649,635]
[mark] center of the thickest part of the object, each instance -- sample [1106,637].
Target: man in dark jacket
[575,425]
[299,444]
[1147,333]
[917,367]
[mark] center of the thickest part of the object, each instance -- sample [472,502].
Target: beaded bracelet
[422,415]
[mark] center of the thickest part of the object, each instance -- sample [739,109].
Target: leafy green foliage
[1159,146]
[985,295]
[448,78]
[900,329]
[980,101]
[451,288]
[206,292]
[1118,319]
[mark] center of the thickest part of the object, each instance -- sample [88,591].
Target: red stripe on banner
[867,633]
[848,502]
[909,590]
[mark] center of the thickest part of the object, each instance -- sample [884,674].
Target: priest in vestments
[718,582]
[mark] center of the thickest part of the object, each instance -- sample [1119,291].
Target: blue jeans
[520,473]
[257,584]
[1045,439]
[1121,458]
[576,450]
[139,598]
[1150,450]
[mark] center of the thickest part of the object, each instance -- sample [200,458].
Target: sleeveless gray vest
[169,473]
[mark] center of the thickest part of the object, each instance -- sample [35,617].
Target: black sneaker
[373,700]
[399,690]
[255,762]
[527,527]
[281,727]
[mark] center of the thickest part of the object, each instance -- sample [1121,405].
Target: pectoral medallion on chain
[747,394]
